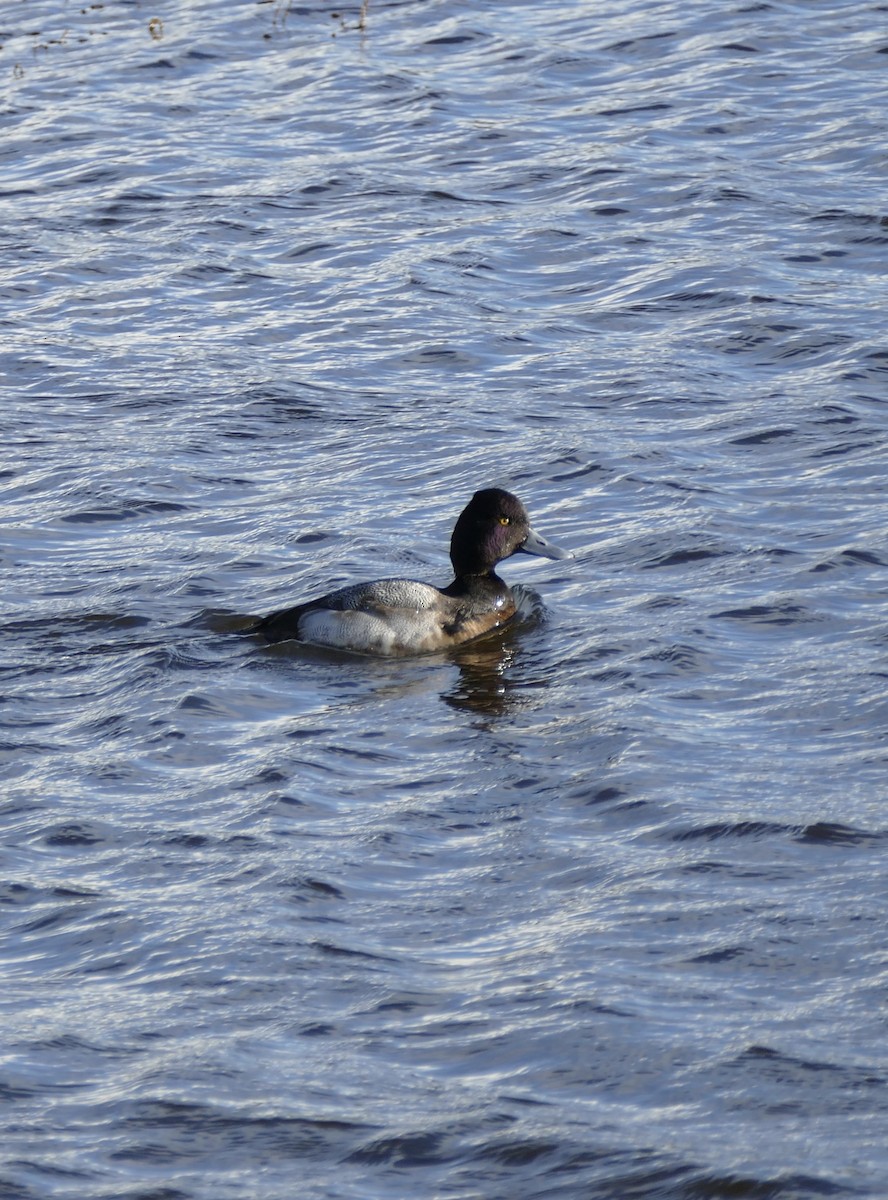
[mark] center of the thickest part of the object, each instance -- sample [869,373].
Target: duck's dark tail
[281,626]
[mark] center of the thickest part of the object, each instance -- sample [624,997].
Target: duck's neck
[482,584]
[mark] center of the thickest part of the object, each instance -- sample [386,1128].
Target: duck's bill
[534,543]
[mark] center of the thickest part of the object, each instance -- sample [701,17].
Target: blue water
[596,908]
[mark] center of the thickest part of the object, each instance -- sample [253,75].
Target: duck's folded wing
[387,593]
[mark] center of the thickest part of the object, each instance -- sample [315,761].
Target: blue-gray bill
[534,543]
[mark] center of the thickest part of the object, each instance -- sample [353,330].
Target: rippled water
[595,909]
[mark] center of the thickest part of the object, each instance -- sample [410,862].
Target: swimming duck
[402,616]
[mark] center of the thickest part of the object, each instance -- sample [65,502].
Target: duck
[398,617]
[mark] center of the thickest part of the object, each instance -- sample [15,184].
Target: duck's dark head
[493,526]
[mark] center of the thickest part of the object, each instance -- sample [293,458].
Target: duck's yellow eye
[505,520]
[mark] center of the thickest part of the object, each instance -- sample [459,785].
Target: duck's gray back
[391,593]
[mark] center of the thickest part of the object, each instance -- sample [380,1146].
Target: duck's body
[402,616]
[394,617]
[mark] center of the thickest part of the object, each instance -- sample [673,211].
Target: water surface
[596,908]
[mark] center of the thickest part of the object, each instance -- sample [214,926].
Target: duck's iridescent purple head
[493,526]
